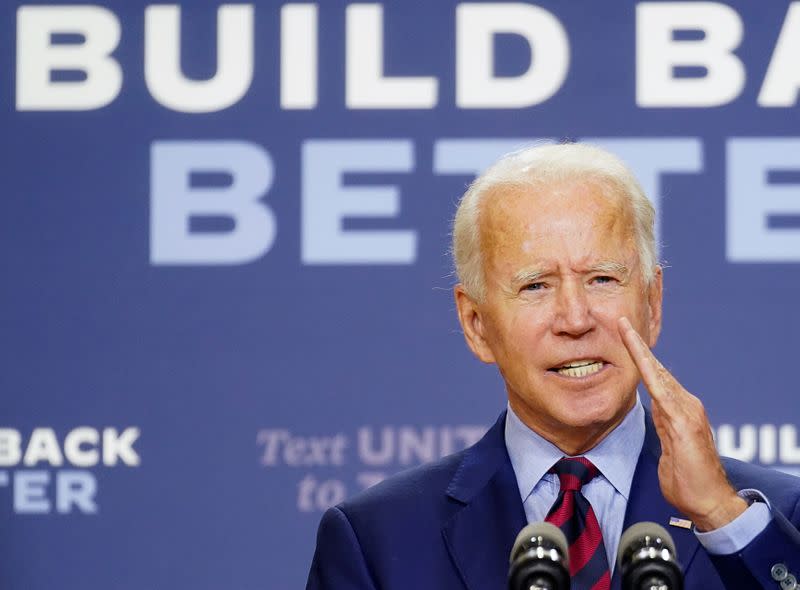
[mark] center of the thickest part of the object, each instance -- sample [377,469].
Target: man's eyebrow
[531,275]
[611,267]
[528,275]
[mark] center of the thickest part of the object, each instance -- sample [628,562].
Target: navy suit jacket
[451,524]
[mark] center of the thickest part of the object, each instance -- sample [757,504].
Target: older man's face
[561,268]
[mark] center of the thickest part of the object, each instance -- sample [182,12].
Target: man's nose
[573,310]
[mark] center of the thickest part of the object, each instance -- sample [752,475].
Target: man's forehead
[571,228]
[517,212]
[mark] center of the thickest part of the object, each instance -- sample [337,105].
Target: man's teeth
[580,368]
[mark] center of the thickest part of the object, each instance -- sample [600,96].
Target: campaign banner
[227,295]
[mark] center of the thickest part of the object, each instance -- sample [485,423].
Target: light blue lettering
[327,202]
[174,202]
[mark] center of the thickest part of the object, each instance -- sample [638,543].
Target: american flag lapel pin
[680,522]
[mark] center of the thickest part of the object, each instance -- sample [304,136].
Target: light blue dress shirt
[616,457]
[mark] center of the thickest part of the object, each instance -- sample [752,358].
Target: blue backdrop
[226,292]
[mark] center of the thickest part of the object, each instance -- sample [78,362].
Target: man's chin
[595,412]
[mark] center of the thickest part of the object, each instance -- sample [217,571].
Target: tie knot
[574,472]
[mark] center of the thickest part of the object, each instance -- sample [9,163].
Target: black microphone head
[647,558]
[539,559]
[644,534]
[541,534]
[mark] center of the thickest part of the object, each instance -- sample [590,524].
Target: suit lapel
[479,536]
[646,502]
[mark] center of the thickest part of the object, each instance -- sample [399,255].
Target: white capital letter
[38,57]
[120,446]
[783,75]
[162,59]
[72,446]
[10,447]
[367,87]
[658,54]
[299,56]
[790,453]
[43,446]
[476,26]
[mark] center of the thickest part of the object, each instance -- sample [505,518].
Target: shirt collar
[615,456]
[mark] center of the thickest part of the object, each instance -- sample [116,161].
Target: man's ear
[655,297]
[471,319]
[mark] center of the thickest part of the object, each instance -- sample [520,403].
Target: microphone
[647,559]
[539,559]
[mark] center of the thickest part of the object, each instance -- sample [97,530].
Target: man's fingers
[654,375]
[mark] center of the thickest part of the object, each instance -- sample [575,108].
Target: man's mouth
[580,368]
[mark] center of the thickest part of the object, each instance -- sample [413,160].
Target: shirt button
[789,583]
[779,572]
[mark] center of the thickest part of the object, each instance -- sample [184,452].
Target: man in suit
[560,288]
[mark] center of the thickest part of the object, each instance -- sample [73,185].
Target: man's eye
[534,287]
[603,279]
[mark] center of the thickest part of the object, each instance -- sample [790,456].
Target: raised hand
[690,472]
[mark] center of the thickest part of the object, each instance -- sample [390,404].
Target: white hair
[542,166]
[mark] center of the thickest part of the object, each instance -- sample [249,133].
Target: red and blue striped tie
[572,513]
